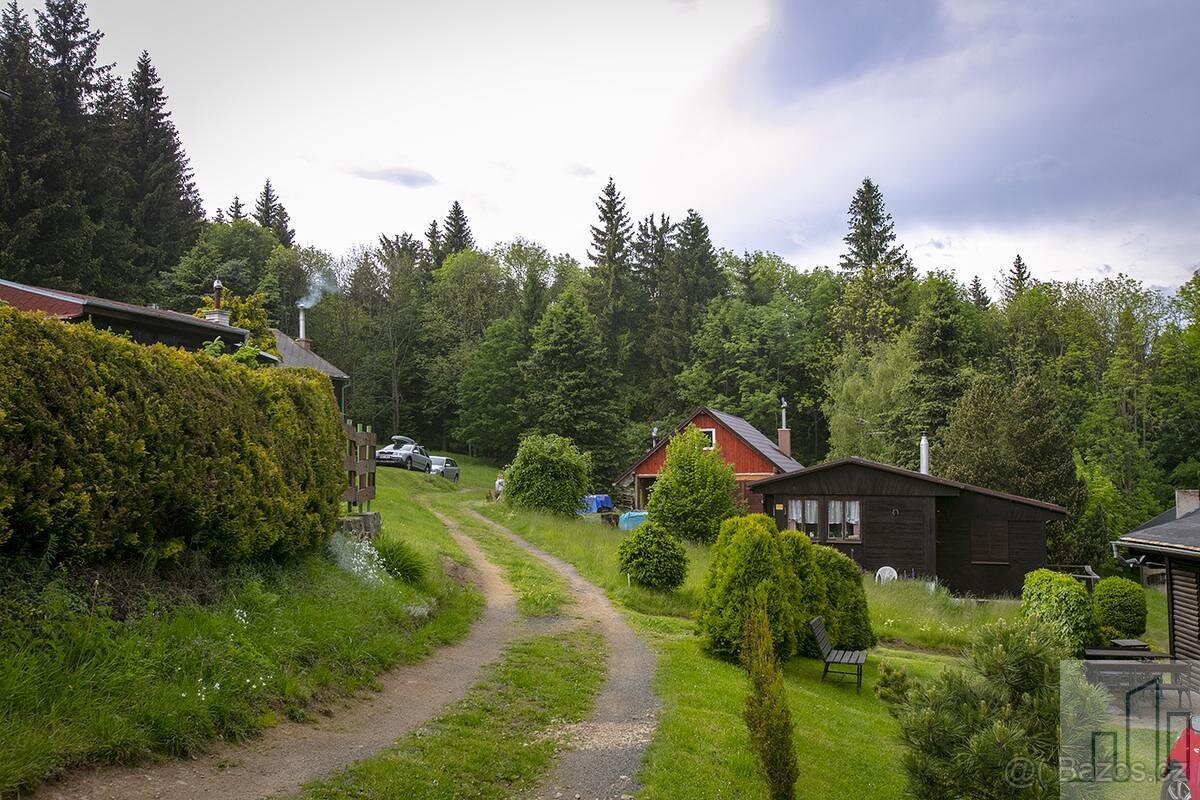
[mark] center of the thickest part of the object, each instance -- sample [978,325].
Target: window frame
[990,527]
[712,437]
[857,538]
[801,522]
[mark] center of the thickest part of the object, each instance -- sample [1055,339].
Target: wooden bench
[837,658]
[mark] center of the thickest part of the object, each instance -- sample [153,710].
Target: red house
[751,454]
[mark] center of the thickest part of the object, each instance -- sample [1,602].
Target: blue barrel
[631,519]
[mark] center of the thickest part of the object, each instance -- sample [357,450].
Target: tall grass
[911,612]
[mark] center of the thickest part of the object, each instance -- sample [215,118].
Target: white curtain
[795,513]
[835,512]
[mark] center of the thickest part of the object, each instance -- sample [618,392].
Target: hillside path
[606,750]
[289,755]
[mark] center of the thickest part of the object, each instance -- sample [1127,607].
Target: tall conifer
[457,235]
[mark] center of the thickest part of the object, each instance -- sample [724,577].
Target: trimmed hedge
[800,580]
[1121,605]
[1062,605]
[548,474]
[653,557]
[110,449]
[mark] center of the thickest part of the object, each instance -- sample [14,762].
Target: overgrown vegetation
[548,474]
[110,449]
[495,742]
[921,615]
[1062,606]
[652,557]
[694,490]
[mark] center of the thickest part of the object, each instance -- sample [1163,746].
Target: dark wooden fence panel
[360,466]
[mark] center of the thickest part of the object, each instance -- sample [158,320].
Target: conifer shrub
[652,557]
[812,591]
[1060,604]
[111,449]
[548,474]
[694,489]
[848,622]
[401,561]
[768,719]
[1120,605]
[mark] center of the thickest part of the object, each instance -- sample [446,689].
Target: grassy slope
[78,687]
[494,742]
[908,612]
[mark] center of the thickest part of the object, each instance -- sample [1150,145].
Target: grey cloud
[403,176]
[580,170]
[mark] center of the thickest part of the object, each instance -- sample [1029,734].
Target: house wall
[745,459]
[1183,607]
[1026,544]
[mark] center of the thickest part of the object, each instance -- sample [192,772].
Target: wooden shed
[1173,538]
[974,540]
[748,450]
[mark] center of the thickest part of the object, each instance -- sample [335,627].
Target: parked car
[1181,775]
[446,467]
[406,453]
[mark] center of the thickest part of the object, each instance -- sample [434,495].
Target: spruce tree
[433,239]
[1016,280]
[610,254]
[871,239]
[165,211]
[46,234]
[569,384]
[281,227]
[266,207]
[650,246]
[979,295]
[457,236]
[236,209]
[219,217]
[937,381]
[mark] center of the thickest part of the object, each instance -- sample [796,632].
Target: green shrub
[548,474]
[746,565]
[812,598]
[1061,604]
[849,621]
[768,719]
[1121,604]
[652,557]
[401,561]
[694,489]
[111,449]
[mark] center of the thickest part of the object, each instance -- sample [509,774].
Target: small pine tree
[433,235]
[694,491]
[1017,280]
[768,718]
[457,236]
[237,210]
[978,294]
[871,240]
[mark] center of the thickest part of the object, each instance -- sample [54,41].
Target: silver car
[406,453]
[446,467]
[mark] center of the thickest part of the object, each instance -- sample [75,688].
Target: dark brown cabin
[973,540]
[1173,538]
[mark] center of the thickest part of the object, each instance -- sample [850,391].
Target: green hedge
[1120,605]
[652,557]
[1062,605]
[548,474]
[110,449]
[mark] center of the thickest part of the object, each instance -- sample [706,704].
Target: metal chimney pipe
[924,453]
[302,336]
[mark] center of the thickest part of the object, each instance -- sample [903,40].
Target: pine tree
[570,384]
[236,209]
[219,217]
[433,239]
[1017,280]
[165,206]
[46,234]
[979,295]
[266,207]
[872,236]
[610,255]
[281,227]
[650,247]
[457,236]
[937,381]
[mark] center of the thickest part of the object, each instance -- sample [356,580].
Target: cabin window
[803,515]
[845,521]
[989,541]
[711,433]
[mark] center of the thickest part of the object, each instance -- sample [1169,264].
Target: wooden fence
[360,467]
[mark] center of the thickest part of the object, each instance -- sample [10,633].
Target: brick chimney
[785,433]
[218,315]
[1186,501]
[302,339]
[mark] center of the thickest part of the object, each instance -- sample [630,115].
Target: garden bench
[837,658]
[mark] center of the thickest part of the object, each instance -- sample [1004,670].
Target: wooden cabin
[974,540]
[751,454]
[1173,538]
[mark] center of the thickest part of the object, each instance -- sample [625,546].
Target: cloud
[580,170]
[404,176]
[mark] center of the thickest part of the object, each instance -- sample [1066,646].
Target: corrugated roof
[293,355]
[101,303]
[908,473]
[1181,535]
[756,439]
[740,428]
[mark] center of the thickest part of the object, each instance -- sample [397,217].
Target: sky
[1066,131]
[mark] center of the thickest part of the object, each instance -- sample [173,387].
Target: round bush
[653,558]
[401,561]
[548,474]
[694,490]
[849,621]
[1121,604]
[1062,605]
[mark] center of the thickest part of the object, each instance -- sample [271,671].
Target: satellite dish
[886,575]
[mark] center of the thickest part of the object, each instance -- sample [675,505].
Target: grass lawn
[496,741]
[908,612]
[230,653]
